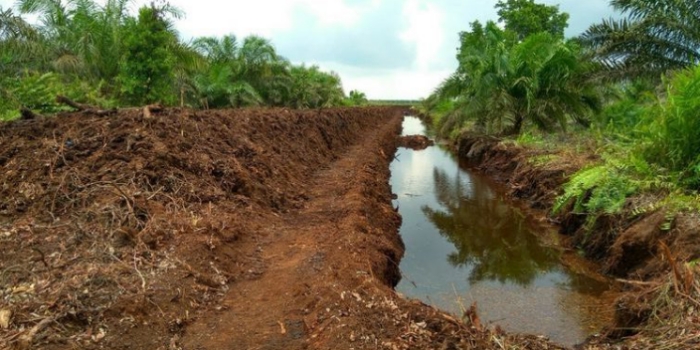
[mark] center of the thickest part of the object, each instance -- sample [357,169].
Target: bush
[147,71]
[671,127]
[37,92]
[600,189]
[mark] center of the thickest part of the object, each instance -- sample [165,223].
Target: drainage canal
[465,244]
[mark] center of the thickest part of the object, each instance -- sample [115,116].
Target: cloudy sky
[390,49]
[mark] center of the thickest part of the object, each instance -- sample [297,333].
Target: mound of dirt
[116,216]
[415,142]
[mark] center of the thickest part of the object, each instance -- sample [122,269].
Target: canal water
[465,244]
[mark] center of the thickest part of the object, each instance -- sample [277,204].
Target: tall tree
[525,17]
[21,45]
[502,84]
[82,36]
[146,75]
[656,36]
[265,70]
[223,82]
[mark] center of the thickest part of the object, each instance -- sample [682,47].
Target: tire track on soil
[279,310]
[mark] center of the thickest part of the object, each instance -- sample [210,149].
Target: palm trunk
[518,125]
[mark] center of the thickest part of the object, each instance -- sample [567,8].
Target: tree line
[630,85]
[104,55]
[526,72]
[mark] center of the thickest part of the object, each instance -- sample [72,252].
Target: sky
[389,49]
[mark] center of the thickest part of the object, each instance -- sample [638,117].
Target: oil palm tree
[502,84]
[656,36]
[265,70]
[357,98]
[222,82]
[82,37]
[21,46]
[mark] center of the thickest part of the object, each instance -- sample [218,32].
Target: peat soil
[648,250]
[181,229]
[415,142]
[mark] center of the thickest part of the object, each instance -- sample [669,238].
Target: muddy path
[246,229]
[315,258]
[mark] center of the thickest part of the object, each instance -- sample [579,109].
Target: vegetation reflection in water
[465,243]
[505,250]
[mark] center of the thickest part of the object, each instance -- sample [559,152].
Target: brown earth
[415,142]
[654,265]
[246,229]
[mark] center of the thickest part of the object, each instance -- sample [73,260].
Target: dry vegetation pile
[108,222]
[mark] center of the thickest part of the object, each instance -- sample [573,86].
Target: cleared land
[241,229]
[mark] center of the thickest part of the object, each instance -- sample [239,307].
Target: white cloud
[333,12]
[260,17]
[425,30]
[242,18]
[393,84]
[359,39]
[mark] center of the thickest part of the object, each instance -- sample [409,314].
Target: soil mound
[119,216]
[415,142]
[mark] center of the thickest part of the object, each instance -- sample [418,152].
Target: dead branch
[27,339]
[87,109]
[677,278]
[78,106]
[102,112]
[639,283]
[200,277]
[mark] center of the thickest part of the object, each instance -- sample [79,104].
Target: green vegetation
[357,98]
[503,84]
[657,36]
[148,62]
[525,17]
[104,56]
[652,146]
[628,90]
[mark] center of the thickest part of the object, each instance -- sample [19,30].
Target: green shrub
[37,92]
[671,128]
[600,189]
[146,74]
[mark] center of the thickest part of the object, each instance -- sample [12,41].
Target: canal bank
[467,244]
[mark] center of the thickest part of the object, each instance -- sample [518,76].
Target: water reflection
[464,242]
[490,236]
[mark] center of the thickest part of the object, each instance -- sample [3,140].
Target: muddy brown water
[465,244]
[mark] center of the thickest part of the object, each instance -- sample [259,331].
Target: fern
[669,217]
[601,189]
